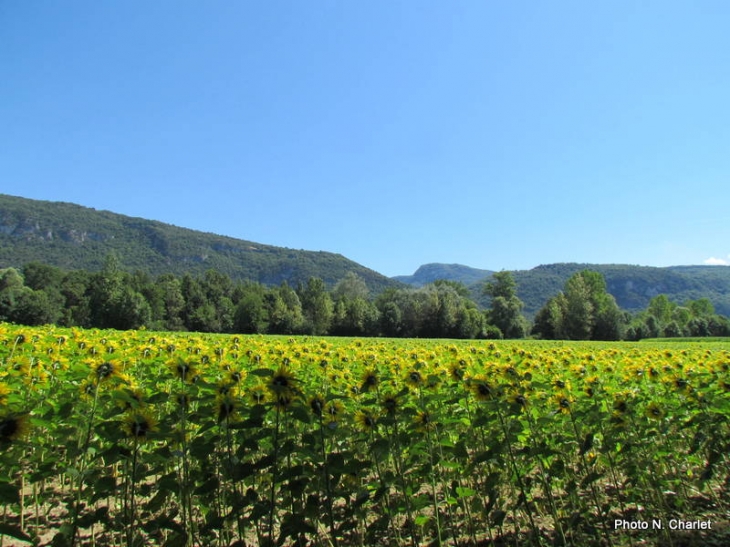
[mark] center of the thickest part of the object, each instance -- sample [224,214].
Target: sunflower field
[138,438]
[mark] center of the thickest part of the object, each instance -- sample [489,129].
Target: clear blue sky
[497,134]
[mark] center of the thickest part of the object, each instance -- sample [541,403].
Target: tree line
[38,294]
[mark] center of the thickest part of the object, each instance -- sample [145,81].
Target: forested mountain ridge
[632,286]
[428,273]
[74,237]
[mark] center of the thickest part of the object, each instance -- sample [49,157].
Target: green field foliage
[178,439]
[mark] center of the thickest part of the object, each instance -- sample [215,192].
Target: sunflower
[333,409]
[389,402]
[88,388]
[258,394]
[226,406]
[483,390]
[184,370]
[282,382]
[365,420]
[236,376]
[106,370]
[13,427]
[456,370]
[681,384]
[517,398]
[654,411]
[369,380]
[414,379]
[317,405]
[183,401]
[620,406]
[423,421]
[562,403]
[139,424]
[226,388]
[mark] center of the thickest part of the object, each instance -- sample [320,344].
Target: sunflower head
[139,424]
[654,411]
[456,370]
[226,407]
[106,370]
[423,421]
[282,382]
[317,405]
[389,402]
[13,427]
[365,420]
[620,406]
[236,376]
[258,394]
[369,380]
[681,384]
[333,409]
[482,389]
[130,398]
[226,388]
[563,403]
[414,379]
[184,370]
[183,401]
[88,388]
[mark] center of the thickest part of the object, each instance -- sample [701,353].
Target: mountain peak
[428,273]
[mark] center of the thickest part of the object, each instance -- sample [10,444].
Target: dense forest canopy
[40,294]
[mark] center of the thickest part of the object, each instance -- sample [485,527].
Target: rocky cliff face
[28,230]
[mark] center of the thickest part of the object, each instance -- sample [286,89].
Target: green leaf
[464,492]
[208,486]
[421,520]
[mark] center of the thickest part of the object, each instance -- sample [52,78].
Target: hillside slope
[632,286]
[70,236]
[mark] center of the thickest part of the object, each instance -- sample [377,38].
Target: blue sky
[497,134]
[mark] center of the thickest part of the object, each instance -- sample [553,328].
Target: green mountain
[73,237]
[632,286]
[428,273]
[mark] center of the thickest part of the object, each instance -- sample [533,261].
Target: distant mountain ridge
[632,286]
[428,273]
[73,237]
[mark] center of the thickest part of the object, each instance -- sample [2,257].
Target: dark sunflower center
[281,381]
[104,370]
[8,428]
[140,429]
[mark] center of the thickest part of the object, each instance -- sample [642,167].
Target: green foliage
[166,438]
[505,310]
[72,237]
[631,286]
[584,311]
